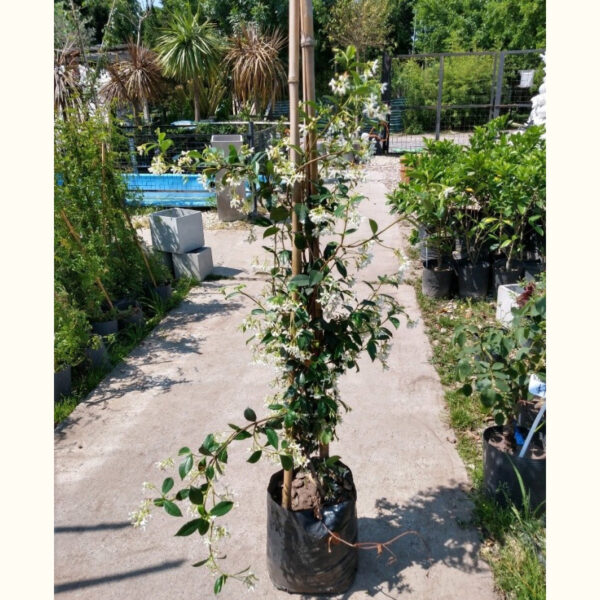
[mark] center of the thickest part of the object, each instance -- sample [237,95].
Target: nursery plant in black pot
[71,337]
[497,363]
[424,203]
[517,208]
[312,324]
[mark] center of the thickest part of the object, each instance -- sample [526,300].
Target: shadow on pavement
[83,583]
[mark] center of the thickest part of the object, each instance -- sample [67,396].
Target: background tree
[258,72]
[360,23]
[137,79]
[188,50]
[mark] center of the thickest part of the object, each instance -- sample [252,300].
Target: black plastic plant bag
[300,558]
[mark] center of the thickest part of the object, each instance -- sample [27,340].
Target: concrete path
[193,376]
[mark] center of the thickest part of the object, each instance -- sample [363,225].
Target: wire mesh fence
[447,95]
[188,136]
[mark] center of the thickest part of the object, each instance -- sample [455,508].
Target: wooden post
[293,83]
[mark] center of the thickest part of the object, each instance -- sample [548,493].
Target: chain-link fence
[444,96]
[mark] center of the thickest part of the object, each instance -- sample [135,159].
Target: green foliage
[71,332]
[498,362]
[491,195]
[93,239]
[479,25]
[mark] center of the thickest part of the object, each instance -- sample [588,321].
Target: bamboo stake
[83,251]
[128,218]
[293,80]
[312,167]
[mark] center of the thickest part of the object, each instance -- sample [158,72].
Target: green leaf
[489,397]
[341,268]
[202,562]
[255,456]
[196,495]
[172,509]
[464,369]
[279,213]
[466,389]
[189,528]
[270,231]
[250,415]
[203,526]
[219,583]
[300,280]
[184,450]
[314,277]
[286,462]
[186,466]
[272,437]
[242,435]
[168,483]
[182,494]
[372,349]
[222,508]
[373,225]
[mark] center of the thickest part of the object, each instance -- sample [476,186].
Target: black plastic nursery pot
[532,268]
[133,314]
[98,357]
[504,276]
[164,291]
[62,383]
[437,282]
[300,558]
[499,475]
[473,280]
[105,328]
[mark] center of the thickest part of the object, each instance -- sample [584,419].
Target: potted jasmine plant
[310,323]
[424,202]
[497,363]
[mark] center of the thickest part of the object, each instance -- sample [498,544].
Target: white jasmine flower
[158,165]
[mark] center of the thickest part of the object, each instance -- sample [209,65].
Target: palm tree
[189,50]
[67,85]
[258,73]
[137,79]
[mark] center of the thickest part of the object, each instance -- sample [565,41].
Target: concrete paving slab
[193,375]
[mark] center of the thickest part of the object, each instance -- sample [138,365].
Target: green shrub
[71,332]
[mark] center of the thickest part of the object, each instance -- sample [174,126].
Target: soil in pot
[473,280]
[62,383]
[436,282]
[500,453]
[504,276]
[300,556]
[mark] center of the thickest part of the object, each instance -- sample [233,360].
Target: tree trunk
[195,86]
[146,109]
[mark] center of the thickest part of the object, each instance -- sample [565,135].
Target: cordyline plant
[311,323]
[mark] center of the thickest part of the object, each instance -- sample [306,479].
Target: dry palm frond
[67,86]
[136,79]
[258,73]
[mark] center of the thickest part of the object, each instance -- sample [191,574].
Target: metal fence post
[438,111]
[498,99]
[250,134]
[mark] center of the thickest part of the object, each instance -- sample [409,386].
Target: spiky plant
[189,50]
[67,86]
[137,79]
[257,71]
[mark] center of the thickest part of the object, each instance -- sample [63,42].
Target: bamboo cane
[293,81]
[307,42]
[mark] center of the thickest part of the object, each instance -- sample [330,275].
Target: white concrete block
[196,264]
[507,299]
[177,230]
